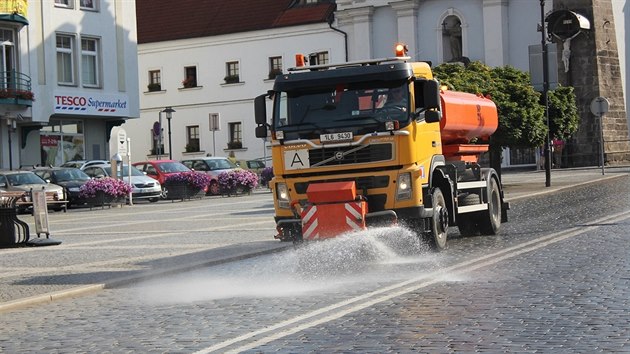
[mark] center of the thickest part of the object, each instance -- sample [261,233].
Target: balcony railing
[15,88]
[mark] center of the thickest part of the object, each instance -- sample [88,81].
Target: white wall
[233,102]
[114,24]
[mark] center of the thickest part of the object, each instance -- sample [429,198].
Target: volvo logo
[339,155]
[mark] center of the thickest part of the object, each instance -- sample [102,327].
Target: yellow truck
[377,142]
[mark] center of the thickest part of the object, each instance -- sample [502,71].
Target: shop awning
[14,18]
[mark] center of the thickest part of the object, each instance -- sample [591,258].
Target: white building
[78,58]
[218,38]
[204,69]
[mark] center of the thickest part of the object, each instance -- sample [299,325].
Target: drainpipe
[331,19]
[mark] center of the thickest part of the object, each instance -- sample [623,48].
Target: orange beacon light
[401,50]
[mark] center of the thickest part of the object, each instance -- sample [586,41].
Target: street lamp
[169,114]
[545,94]
[11,126]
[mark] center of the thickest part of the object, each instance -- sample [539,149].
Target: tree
[564,119]
[522,121]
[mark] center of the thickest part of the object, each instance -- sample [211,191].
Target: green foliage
[564,119]
[522,120]
[521,117]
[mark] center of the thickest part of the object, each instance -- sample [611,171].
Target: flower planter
[101,199]
[235,191]
[185,185]
[237,182]
[181,191]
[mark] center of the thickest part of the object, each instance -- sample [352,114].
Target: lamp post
[169,114]
[11,126]
[158,146]
[545,94]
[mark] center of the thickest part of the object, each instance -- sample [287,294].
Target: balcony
[15,89]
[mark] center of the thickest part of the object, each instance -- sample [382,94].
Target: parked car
[160,169]
[25,181]
[81,164]
[213,167]
[70,178]
[255,166]
[144,187]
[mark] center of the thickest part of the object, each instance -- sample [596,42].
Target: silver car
[144,187]
[25,181]
[81,164]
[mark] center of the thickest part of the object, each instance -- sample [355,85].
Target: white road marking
[340,309]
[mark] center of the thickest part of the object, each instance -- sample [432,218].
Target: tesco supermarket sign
[96,105]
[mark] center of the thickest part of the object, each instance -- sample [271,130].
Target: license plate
[335,137]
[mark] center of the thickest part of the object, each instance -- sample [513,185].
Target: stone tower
[594,71]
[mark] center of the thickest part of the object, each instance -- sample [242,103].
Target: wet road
[557,279]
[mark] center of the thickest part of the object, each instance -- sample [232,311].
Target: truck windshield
[360,109]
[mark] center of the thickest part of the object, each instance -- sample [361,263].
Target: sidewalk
[86,263]
[524,184]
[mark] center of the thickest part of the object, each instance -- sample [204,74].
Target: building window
[64,3]
[322,58]
[192,138]
[88,4]
[7,62]
[231,72]
[62,141]
[190,77]
[65,60]
[275,67]
[155,80]
[236,136]
[90,62]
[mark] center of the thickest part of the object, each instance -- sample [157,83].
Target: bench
[25,199]
[13,231]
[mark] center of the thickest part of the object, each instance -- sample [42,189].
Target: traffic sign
[122,142]
[599,106]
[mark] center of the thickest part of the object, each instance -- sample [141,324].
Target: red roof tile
[164,20]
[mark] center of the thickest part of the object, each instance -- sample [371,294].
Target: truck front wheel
[439,221]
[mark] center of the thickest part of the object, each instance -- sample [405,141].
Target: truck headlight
[282,194]
[403,189]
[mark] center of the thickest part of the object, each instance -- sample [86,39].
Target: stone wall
[594,71]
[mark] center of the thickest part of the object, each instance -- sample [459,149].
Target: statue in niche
[452,29]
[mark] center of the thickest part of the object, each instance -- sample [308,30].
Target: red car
[159,169]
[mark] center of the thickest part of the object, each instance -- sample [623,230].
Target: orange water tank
[466,116]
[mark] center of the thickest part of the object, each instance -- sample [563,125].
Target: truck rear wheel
[490,221]
[439,221]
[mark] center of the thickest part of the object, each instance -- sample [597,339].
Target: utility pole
[545,93]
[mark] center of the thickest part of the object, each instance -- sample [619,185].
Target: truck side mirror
[432,116]
[260,110]
[431,94]
[261,131]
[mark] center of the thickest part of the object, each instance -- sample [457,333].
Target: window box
[189,83]
[235,145]
[231,79]
[273,73]
[152,87]
[192,147]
